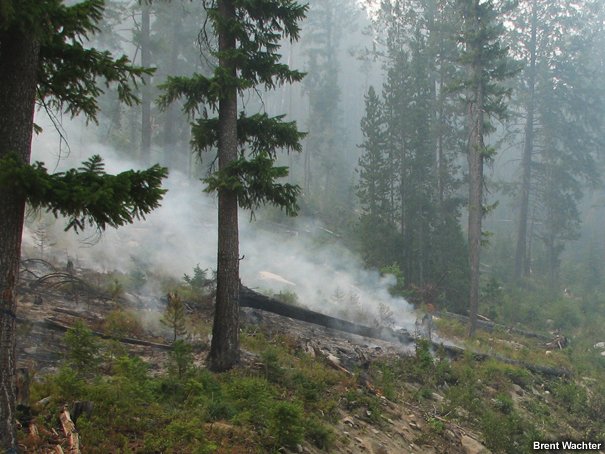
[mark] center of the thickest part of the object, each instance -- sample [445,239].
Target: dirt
[403,428]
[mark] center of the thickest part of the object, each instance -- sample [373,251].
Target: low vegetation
[284,395]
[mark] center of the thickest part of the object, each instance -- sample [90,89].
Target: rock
[299,448]
[517,389]
[472,446]
[437,397]
[599,345]
[602,353]
[333,358]
[348,420]
[378,448]
[450,436]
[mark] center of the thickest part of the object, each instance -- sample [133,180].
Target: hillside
[299,388]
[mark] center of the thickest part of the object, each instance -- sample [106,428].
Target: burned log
[250,298]
[70,431]
[50,324]
[22,380]
[489,326]
[79,408]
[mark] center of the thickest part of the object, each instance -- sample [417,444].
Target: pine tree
[248,40]
[175,317]
[419,139]
[43,60]
[559,97]
[325,164]
[485,60]
[377,232]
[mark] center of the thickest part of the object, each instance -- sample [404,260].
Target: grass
[272,406]
[286,397]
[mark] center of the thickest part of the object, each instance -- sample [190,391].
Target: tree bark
[171,154]
[146,131]
[18,79]
[224,349]
[476,149]
[522,265]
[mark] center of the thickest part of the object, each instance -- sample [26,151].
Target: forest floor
[357,395]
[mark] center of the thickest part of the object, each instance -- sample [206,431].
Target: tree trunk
[224,349]
[172,156]
[475,214]
[18,71]
[522,265]
[146,131]
[476,149]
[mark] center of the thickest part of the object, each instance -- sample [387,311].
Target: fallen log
[50,324]
[70,431]
[62,310]
[250,298]
[489,325]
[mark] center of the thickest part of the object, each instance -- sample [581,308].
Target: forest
[372,160]
[384,165]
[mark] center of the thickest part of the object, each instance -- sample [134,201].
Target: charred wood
[50,324]
[489,326]
[79,408]
[250,298]
[70,431]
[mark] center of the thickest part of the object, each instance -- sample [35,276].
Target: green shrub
[69,385]
[82,348]
[272,364]
[120,323]
[220,408]
[504,403]
[321,435]
[181,359]
[286,423]
[573,397]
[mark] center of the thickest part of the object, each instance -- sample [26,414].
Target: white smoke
[303,258]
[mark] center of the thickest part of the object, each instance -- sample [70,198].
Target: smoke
[303,258]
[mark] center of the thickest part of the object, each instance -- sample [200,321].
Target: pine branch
[86,196]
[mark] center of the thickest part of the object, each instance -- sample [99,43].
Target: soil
[49,306]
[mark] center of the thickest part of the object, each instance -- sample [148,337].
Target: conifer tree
[486,63]
[43,60]
[376,231]
[559,97]
[175,317]
[420,143]
[325,163]
[248,40]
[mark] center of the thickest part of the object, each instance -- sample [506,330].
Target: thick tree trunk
[172,156]
[224,349]
[522,265]
[18,69]
[475,213]
[146,131]
[476,149]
